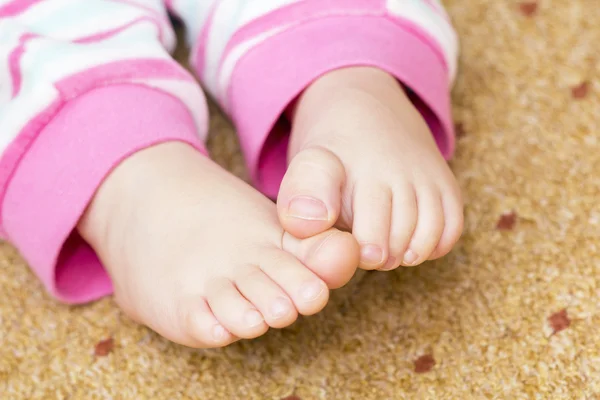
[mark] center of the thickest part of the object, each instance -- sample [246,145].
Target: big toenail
[305,207]
[218,332]
[390,264]
[371,254]
[253,318]
[311,290]
[280,307]
[410,257]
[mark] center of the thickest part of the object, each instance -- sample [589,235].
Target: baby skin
[205,260]
[363,159]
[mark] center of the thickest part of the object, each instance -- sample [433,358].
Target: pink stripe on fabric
[198,55]
[98,37]
[275,72]
[436,8]
[16,7]
[139,5]
[121,72]
[14,62]
[63,168]
[160,15]
[301,12]
[431,3]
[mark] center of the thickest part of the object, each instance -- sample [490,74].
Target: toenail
[371,254]
[305,207]
[253,318]
[311,291]
[280,307]
[218,332]
[390,264]
[410,257]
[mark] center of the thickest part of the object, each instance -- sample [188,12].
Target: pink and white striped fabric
[84,84]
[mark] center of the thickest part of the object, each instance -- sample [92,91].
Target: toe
[187,320]
[308,292]
[202,329]
[332,255]
[233,311]
[273,303]
[372,211]
[309,198]
[404,221]
[430,224]
[454,221]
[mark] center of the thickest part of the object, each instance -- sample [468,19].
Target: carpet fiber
[510,314]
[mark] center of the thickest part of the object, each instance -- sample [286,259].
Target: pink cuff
[58,176]
[275,72]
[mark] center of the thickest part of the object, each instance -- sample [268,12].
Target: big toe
[309,198]
[332,255]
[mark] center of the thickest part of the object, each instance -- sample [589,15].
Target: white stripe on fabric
[229,17]
[435,25]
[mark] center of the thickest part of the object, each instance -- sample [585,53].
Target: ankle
[108,205]
[348,83]
[127,191]
[344,93]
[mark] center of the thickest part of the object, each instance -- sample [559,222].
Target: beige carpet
[510,314]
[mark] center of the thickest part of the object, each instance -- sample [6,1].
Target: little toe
[332,255]
[404,221]
[430,225]
[273,303]
[308,292]
[234,312]
[372,212]
[454,221]
[309,197]
[187,320]
[202,328]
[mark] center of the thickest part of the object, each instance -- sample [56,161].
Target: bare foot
[363,158]
[200,257]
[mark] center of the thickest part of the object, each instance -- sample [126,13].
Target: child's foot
[200,257]
[363,158]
